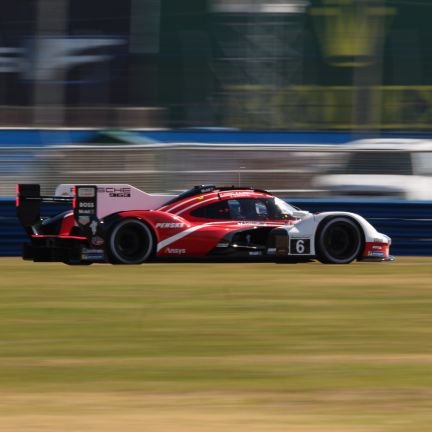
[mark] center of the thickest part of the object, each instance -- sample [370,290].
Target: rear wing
[90,202]
[28,202]
[113,198]
[83,202]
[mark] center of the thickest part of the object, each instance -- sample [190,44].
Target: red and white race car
[119,223]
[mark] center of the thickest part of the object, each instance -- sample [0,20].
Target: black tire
[339,240]
[131,242]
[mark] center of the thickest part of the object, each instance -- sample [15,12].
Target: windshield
[247,209]
[284,207]
[259,209]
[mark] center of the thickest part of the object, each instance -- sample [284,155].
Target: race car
[120,224]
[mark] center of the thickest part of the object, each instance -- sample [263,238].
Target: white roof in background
[389,144]
[253,6]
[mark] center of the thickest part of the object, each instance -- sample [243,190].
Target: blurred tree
[184,83]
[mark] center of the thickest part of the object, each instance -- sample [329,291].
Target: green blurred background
[251,64]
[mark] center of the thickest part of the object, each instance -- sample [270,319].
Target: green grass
[350,345]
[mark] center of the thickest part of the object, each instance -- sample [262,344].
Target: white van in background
[381,168]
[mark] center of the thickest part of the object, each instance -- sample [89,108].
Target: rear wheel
[131,242]
[339,241]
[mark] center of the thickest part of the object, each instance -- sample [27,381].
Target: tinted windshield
[260,209]
[250,209]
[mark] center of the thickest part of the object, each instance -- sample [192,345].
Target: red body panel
[67,224]
[376,250]
[178,233]
[178,236]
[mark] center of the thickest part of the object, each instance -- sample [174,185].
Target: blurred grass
[349,345]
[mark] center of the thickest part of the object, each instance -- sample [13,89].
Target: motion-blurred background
[310,99]
[164,94]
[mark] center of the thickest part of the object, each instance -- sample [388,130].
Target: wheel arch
[117,221]
[354,218]
[113,219]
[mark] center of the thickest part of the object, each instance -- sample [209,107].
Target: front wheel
[339,241]
[131,242]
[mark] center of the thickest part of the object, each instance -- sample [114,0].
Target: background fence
[159,167]
[286,169]
[409,224]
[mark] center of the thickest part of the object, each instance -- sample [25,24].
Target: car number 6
[300,247]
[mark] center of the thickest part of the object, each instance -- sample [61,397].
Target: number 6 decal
[300,246]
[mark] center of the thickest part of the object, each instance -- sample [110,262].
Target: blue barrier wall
[12,234]
[16,138]
[408,223]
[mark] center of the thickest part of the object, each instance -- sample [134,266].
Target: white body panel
[112,198]
[307,227]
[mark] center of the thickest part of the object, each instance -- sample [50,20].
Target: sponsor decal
[86,204]
[175,251]
[379,240]
[380,250]
[86,212]
[84,192]
[92,254]
[83,220]
[235,194]
[85,208]
[170,225]
[97,241]
[376,254]
[114,192]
